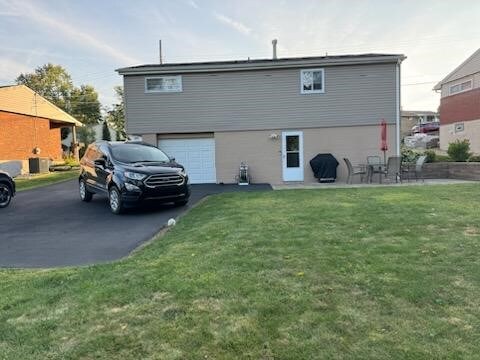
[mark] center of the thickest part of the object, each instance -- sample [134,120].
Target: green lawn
[45,179]
[379,273]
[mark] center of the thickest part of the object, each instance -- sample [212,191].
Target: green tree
[85,105]
[86,136]
[106,132]
[52,82]
[116,116]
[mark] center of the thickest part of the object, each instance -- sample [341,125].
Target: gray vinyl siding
[263,99]
[475,84]
[469,67]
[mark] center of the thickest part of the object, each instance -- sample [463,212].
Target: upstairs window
[162,84]
[312,81]
[464,86]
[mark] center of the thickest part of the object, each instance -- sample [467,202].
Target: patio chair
[375,166]
[394,168]
[416,169]
[354,170]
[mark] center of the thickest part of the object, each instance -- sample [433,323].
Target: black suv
[131,172]
[7,189]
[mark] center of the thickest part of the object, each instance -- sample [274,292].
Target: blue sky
[92,38]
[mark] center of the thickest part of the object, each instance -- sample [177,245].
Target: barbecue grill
[324,167]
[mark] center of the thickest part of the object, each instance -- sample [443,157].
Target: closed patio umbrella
[383,136]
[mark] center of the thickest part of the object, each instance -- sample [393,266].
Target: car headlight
[134,175]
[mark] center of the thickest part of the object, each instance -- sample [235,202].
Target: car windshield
[132,153]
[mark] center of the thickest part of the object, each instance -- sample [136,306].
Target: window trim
[460,83]
[179,77]
[307,92]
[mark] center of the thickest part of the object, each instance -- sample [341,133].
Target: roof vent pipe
[274,43]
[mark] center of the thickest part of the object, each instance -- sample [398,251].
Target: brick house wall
[20,134]
[462,110]
[460,107]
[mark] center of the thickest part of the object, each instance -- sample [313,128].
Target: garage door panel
[196,155]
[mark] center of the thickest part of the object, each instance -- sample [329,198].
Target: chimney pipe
[160,51]
[274,43]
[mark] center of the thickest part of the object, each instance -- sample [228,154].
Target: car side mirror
[99,162]
[172,159]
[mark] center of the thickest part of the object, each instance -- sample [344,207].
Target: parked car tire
[85,195]
[115,200]
[5,195]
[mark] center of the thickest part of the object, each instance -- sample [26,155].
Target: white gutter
[397,108]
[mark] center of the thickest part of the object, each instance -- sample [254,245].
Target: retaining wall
[452,170]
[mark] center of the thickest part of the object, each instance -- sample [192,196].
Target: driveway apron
[50,227]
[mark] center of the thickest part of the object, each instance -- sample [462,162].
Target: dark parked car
[130,173]
[426,128]
[7,189]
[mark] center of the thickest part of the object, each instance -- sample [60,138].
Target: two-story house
[460,104]
[273,114]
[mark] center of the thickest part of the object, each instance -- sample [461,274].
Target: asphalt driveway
[51,227]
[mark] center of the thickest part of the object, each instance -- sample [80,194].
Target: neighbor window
[312,81]
[163,84]
[464,86]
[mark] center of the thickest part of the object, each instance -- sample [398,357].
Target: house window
[312,81]
[464,86]
[459,127]
[161,84]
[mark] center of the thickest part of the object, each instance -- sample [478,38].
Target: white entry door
[196,155]
[292,155]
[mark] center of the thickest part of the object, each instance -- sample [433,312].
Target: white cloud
[85,39]
[10,69]
[234,24]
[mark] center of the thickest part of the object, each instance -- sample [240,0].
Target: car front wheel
[115,200]
[5,195]
[85,195]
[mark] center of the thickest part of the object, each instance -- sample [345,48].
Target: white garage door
[196,155]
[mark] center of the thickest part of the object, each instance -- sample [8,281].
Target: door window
[293,151]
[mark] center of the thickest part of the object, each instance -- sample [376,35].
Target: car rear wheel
[115,200]
[85,195]
[5,195]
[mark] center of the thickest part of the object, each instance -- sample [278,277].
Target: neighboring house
[411,118]
[98,129]
[30,126]
[275,115]
[460,104]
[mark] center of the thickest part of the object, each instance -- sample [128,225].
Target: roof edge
[438,86]
[244,65]
[69,118]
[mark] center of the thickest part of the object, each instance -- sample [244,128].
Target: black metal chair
[416,169]
[354,170]
[394,168]
[375,166]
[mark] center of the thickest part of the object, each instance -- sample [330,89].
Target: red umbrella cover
[384,145]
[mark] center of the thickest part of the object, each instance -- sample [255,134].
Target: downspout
[397,107]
